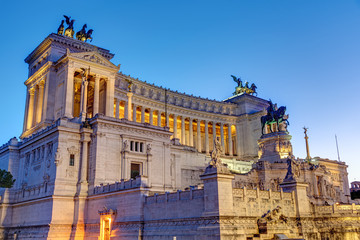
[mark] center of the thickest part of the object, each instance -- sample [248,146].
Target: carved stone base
[275,147]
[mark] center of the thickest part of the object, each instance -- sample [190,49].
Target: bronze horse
[273,116]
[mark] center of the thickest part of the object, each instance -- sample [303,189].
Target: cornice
[67,42]
[39,73]
[172,92]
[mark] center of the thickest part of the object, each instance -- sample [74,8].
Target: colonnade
[35,104]
[193,132]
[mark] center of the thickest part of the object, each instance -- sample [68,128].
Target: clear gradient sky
[300,53]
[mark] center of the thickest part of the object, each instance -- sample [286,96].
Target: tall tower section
[67,78]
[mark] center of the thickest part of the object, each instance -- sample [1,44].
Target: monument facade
[106,156]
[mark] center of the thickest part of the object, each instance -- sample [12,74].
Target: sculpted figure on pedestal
[275,115]
[293,172]
[215,162]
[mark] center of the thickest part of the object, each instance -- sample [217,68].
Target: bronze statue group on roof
[81,35]
[240,88]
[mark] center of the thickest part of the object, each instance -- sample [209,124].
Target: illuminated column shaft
[183,130]
[134,113]
[222,137]
[214,134]
[117,112]
[83,103]
[30,108]
[175,126]
[40,98]
[96,95]
[191,133]
[159,118]
[142,114]
[151,116]
[110,84]
[207,137]
[69,98]
[230,140]
[129,104]
[167,120]
[198,134]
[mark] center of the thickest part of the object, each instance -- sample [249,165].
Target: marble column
[175,126]
[191,133]
[117,111]
[83,104]
[222,137]
[207,137]
[126,116]
[129,105]
[167,122]
[30,108]
[96,95]
[110,91]
[134,113]
[151,116]
[69,98]
[40,101]
[214,133]
[230,141]
[159,118]
[198,135]
[183,130]
[142,114]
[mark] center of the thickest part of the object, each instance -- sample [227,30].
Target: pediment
[94,57]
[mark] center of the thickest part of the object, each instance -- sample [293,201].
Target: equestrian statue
[275,115]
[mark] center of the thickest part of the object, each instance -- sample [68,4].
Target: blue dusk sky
[301,54]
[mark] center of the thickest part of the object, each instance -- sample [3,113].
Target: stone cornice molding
[39,74]
[171,92]
[66,42]
[130,126]
[90,59]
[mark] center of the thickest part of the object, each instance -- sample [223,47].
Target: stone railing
[250,202]
[175,196]
[140,181]
[32,192]
[337,209]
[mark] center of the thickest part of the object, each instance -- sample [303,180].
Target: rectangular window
[72,160]
[135,170]
[141,147]
[132,146]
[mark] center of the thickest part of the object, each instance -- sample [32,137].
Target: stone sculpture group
[81,35]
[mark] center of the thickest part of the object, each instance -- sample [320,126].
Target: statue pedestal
[218,190]
[275,147]
[302,202]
